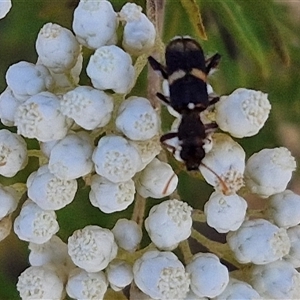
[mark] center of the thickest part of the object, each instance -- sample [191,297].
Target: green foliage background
[259,43]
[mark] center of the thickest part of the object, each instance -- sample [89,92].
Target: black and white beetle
[186,71]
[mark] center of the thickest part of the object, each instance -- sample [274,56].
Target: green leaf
[231,15]
[193,11]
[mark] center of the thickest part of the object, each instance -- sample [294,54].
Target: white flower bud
[168,277]
[40,283]
[8,201]
[54,251]
[115,159]
[5,227]
[128,234]
[294,255]
[269,171]
[225,213]
[88,107]
[40,117]
[147,149]
[110,197]
[111,68]
[13,153]
[209,277]
[70,158]
[34,224]
[130,12]
[5,7]
[157,180]
[137,119]
[139,33]
[95,23]
[169,223]
[92,248]
[26,79]
[243,113]
[284,209]
[84,285]
[48,191]
[57,48]
[237,289]
[227,160]
[8,107]
[258,241]
[119,274]
[277,280]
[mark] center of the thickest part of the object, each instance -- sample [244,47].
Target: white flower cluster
[45,102]
[268,244]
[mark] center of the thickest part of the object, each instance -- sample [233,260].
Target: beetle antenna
[225,188]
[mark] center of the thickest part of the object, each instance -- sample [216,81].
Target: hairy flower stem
[155,12]
[221,250]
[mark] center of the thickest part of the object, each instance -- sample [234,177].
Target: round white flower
[169,223]
[70,158]
[243,113]
[26,79]
[40,283]
[92,248]
[48,191]
[130,12]
[84,285]
[269,171]
[147,149]
[5,7]
[8,201]
[34,224]
[115,159]
[110,197]
[137,119]
[54,251]
[237,289]
[209,277]
[8,107]
[5,227]
[277,280]
[139,33]
[225,213]
[294,255]
[13,153]
[284,209]
[95,23]
[168,278]
[157,180]
[57,48]
[119,274]
[111,68]
[227,160]
[258,241]
[128,234]
[40,117]
[88,107]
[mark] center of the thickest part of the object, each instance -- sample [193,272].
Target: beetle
[186,71]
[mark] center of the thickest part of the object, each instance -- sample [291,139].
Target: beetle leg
[156,66]
[212,63]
